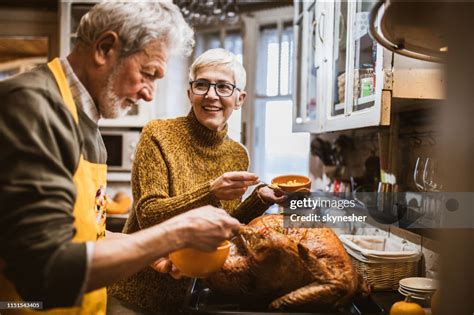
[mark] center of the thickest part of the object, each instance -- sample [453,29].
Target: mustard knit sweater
[175,162]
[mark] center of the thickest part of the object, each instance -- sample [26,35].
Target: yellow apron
[89,214]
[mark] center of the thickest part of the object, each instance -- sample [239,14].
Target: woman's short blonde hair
[218,57]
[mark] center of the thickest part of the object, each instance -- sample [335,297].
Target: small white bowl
[420,284]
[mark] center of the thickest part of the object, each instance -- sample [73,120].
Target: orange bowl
[198,264]
[292,183]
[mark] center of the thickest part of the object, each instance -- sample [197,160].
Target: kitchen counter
[386,299]
[201,301]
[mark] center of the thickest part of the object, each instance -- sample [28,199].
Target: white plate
[418,283]
[412,295]
[417,291]
[421,295]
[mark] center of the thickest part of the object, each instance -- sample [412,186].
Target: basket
[382,261]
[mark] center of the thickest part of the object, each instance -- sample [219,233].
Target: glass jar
[366,79]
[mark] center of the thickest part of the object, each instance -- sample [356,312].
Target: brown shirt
[40,149]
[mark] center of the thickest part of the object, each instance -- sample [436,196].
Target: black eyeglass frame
[234,87]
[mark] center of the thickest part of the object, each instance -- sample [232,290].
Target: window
[206,41]
[278,150]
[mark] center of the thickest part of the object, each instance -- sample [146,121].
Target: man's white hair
[138,23]
[217,57]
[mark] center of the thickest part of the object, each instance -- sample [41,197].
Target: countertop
[201,302]
[387,298]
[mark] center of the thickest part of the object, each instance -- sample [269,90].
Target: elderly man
[53,247]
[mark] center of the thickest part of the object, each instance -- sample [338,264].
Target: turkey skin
[288,268]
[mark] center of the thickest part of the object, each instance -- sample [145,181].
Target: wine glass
[418,173]
[418,179]
[431,174]
[432,183]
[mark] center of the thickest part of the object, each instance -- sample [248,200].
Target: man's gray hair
[220,57]
[138,23]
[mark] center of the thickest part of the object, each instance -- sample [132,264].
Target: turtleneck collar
[203,134]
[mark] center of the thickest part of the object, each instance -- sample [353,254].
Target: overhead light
[209,12]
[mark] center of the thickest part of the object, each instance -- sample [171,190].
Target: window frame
[252,24]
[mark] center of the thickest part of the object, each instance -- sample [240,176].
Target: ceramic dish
[292,183]
[418,283]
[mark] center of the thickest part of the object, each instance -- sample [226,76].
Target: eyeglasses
[222,89]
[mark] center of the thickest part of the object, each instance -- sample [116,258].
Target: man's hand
[164,265]
[232,185]
[204,228]
[270,195]
[113,259]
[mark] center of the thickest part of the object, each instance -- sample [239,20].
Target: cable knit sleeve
[150,182]
[252,207]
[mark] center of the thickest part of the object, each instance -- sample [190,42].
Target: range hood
[416,29]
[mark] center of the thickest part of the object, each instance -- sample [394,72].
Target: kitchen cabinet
[343,78]
[339,67]
[16,66]
[71,13]
[308,56]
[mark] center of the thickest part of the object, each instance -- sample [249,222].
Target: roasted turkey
[292,268]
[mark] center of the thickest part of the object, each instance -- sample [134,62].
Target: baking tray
[201,300]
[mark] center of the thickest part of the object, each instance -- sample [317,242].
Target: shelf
[419,84]
[22,63]
[360,101]
[364,100]
[339,106]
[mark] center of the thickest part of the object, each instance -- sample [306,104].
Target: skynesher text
[327,218]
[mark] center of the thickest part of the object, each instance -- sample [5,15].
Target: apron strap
[58,72]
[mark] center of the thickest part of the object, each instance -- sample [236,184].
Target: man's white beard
[113,106]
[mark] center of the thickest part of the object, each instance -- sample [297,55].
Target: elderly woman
[188,162]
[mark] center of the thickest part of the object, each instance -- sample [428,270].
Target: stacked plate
[418,288]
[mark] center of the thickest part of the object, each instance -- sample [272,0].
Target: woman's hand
[164,265]
[232,185]
[270,195]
